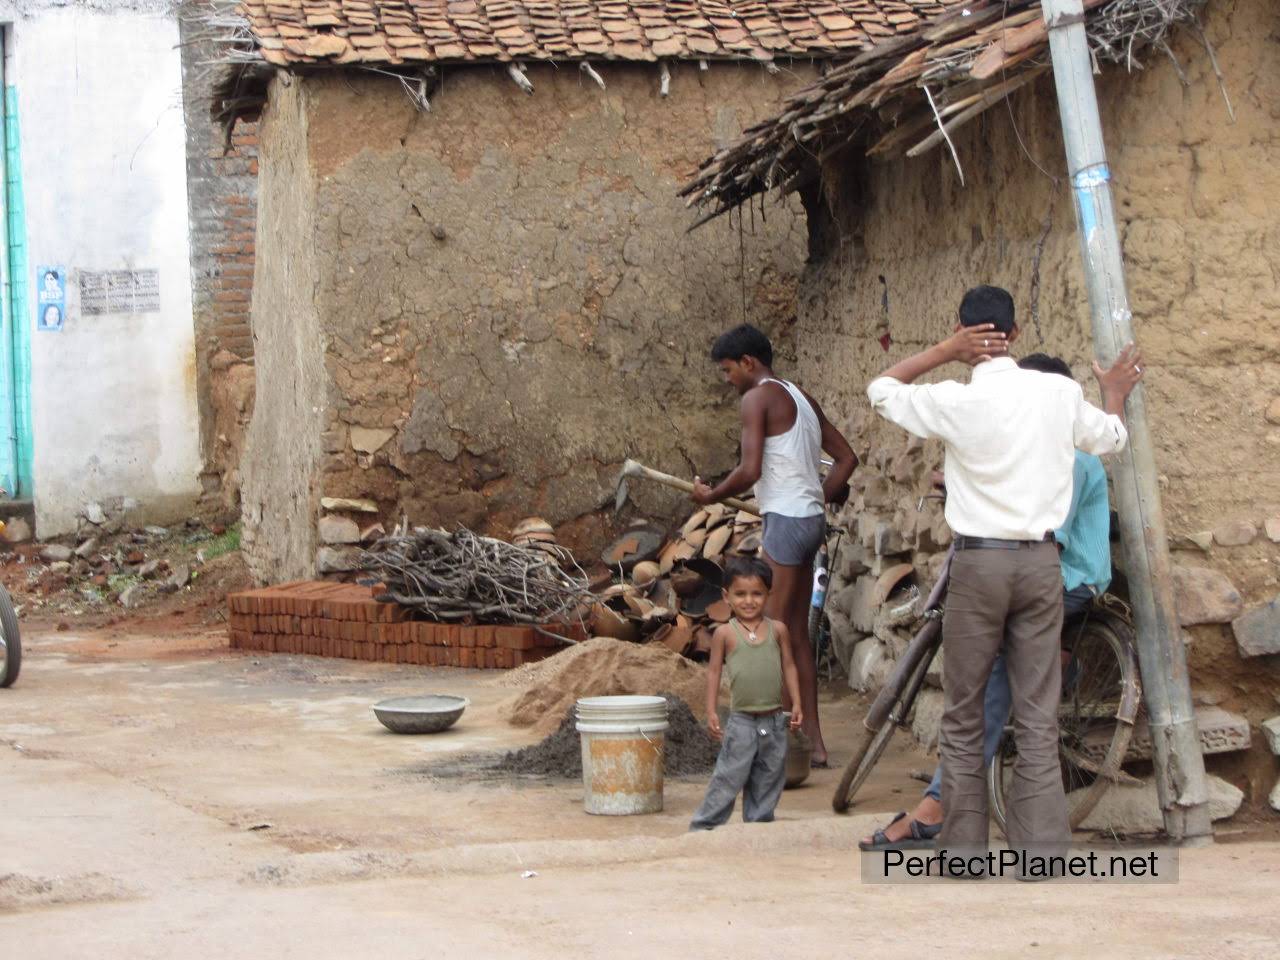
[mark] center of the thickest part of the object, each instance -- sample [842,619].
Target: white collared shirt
[1010,438]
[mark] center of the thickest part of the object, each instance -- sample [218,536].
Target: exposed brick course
[345,620]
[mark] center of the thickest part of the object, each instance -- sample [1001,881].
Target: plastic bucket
[622,753]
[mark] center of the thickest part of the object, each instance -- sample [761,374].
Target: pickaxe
[633,468]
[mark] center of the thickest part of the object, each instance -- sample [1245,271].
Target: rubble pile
[110,561]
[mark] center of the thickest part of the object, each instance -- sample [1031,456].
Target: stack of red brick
[344,620]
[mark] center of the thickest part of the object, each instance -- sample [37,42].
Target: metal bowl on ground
[429,714]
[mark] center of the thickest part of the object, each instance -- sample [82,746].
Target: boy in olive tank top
[753,752]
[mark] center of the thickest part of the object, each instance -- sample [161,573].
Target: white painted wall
[103,156]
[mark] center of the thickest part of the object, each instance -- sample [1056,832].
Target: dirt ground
[167,797]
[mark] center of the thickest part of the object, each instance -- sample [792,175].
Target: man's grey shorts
[793,541]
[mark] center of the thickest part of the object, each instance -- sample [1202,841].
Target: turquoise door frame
[16,447]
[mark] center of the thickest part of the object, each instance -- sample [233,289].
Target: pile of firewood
[464,577]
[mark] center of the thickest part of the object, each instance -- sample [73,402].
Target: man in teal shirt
[1084,543]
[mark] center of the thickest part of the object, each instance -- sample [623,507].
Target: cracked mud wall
[510,302]
[282,453]
[1196,197]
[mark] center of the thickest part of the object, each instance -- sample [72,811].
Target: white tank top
[789,483]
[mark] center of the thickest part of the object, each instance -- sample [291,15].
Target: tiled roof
[300,32]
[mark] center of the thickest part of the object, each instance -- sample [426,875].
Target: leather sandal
[922,837]
[878,840]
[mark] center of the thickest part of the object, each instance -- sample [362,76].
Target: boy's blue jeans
[998,699]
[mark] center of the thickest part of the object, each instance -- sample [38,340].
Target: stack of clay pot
[712,533]
[534,532]
[672,594]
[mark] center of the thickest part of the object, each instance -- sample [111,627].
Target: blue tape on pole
[1095,176]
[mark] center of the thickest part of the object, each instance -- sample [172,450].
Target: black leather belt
[995,543]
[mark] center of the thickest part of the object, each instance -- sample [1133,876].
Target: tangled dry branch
[460,576]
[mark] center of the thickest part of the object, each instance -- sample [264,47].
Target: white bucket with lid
[623,740]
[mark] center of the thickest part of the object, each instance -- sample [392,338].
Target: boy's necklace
[751,634]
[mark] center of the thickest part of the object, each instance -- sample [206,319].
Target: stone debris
[370,440]
[1274,799]
[1235,533]
[152,569]
[333,529]
[1272,528]
[926,718]
[1257,631]
[1204,595]
[1220,732]
[1132,810]
[1201,540]
[131,596]
[869,665]
[85,550]
[180,577]
[17,530]
[94,513]
[340,504]
[337,559]
[1271,729]
[56,552]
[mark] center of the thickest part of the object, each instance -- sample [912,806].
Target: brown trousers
[1010,600]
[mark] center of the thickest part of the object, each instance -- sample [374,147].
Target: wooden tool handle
[667,479]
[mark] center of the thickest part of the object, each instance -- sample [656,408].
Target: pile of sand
[688,749]
[602,667]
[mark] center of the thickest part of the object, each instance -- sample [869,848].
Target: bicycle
[1101,697]
[10,638]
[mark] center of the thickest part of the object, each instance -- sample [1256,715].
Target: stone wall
[1195,194]
[508,299]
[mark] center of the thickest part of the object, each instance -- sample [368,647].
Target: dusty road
[167,798]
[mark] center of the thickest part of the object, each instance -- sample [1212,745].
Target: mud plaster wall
[282,449]
[1196,197]
[509,302]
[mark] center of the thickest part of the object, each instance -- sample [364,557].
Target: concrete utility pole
[1179,764]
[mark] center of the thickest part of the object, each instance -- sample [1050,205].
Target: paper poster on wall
[119,291]
[51,301]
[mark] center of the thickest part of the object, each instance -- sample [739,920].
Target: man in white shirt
[1010,438]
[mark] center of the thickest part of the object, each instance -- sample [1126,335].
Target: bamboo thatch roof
[905,96]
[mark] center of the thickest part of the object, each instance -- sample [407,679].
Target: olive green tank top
[755,672]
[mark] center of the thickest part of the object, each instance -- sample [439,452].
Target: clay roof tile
[365,30]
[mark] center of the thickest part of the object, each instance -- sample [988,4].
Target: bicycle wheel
[866,751]
[10,641]
[1100,694]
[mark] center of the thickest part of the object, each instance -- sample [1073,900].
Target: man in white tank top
[784,433]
